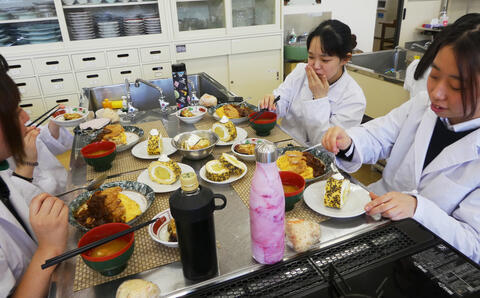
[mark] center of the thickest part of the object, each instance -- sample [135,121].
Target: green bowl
[264,123]
[112,264]
[291,178]
[99,162]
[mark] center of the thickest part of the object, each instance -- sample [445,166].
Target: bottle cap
[266,152]
[189,181]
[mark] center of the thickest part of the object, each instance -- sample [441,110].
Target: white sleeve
[461,229]
[287,90]
[7,279]
[56,146]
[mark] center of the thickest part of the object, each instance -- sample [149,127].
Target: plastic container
[116,104]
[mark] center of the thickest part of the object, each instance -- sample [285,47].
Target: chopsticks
[257,115]
[69,254]
[47,112]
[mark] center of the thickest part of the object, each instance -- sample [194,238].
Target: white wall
[418,13]
[458,8]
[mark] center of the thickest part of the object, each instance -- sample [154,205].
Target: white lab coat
[306,119]
[447,190]
[16,246]
[413,86]
[50,175]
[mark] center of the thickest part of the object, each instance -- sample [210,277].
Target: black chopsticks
[259,113]
[69,254]
[47,112]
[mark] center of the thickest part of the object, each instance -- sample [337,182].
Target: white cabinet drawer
[130,72]
[155,54]
[256,44]
[58,84]
[89,61]
[28,87]
[20,68]
[123,57]
[93,78]
[34,108]
[67,100]
[157,70]
[52,64]
[202,49]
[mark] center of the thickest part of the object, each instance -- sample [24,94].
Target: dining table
[162,265]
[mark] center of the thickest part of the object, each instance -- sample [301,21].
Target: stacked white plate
[81,25]
[22,12]
[133,26]
[44,9]
[4,37]
[152,25]
[108,29]
[39,33]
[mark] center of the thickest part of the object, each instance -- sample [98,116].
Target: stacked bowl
[152,25]
[44,9]
[81,25]
[133,26]
[108,29]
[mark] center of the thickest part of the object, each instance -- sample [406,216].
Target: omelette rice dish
[107,206]
[114,133]
[302,163]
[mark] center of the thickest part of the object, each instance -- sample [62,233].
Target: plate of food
[313,165]
[191,114]
[246,149]
[164,230]
[125,137]
[113,115]
[240,133]
[224,170]
[163,175]
[237,113]
[336,197]
[70,116]
[123,201]
[141,150]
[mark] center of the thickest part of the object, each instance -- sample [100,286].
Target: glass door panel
[253,12]
[200,14]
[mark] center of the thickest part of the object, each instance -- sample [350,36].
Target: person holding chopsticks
[33,224]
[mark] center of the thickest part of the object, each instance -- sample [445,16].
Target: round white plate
[140,150]
[356,201]
[168,216]
[137,197]
[160,188]
[241,135]
[229,180]
[132,139]
[60,121]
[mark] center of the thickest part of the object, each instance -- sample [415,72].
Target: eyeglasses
[3,65]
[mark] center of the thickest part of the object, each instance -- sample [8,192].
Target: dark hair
[336,38]
[463,23]
[9,101]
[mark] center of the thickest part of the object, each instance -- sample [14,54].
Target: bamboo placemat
[147,254]
[125,161]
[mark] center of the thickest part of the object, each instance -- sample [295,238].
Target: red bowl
[291,178]
[88,150]
[265,118]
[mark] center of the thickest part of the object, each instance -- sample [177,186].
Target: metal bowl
[195,154]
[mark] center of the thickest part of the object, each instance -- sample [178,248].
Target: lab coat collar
[422,139]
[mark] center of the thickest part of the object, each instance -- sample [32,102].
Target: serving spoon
[94,184]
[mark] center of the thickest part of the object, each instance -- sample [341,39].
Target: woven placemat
[147,254]
[125,161]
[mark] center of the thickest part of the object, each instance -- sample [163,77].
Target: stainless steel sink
[146,98]
[390,64]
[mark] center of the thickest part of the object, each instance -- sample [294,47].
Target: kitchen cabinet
[216,67]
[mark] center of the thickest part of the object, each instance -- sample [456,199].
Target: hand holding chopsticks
[69,254]
[49,112]
[261,111]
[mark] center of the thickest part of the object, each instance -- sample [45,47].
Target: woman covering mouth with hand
[320,94]
[432,143]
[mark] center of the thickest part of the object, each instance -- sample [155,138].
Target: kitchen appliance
[399,259]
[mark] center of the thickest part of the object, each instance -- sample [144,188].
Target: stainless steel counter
[231,227]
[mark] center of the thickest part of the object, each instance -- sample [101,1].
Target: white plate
[234,120]
[137,197]
[161,188]
[60,121]
[162,228]
[140,150]
[132,139]
[356,201]
[203,175]
[246,157]
[241,135]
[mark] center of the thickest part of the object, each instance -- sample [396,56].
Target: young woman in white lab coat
[432,143]
[320,94]
[32,230]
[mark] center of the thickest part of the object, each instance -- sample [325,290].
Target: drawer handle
[52,62]
[125,72]
[62,100]
[122,55]
[89,59]
[157,68]
[14,66]
[21,84]
[56,80]
[155,52]
[26,105]
[92,76]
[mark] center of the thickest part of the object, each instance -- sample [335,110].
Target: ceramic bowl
[112,264]
[264,123]
[291,178]
[195,154]
[197,111]
[103,161]
[158,229]
[59,119]
[246,157]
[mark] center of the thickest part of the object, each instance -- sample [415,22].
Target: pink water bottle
[267,207]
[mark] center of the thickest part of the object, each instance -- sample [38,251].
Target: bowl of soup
[262,122]
[99,155]
[293,187]
[112,257]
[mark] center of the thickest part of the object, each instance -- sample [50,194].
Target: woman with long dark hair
[432,144]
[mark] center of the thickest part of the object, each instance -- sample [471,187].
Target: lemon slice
[215,171]
[232,164]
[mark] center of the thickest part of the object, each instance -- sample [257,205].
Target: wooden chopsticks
[47,112]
